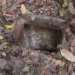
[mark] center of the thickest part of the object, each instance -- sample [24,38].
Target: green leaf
[30,13]
[8,26]
[63,63]
[26,69]
[28,61]
[5,47]
[1,37]
[65,4]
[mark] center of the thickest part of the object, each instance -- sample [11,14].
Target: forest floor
[15,60]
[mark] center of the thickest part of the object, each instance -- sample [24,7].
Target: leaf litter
[44,63]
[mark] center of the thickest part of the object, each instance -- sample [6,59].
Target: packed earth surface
[19,56]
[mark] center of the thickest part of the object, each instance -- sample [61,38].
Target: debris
[24,53]
[67,55]
[71,8]
[4,54]
[57,62]
[23,9]
[62,12]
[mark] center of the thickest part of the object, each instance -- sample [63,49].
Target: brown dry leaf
[23,9]
[73,21]
[8,15]
[62,12]
[4,54]
[71,48]
[24,53]
[57,62]
[33,53]
[18,30]
[3,2]
[71,8]
[68,55]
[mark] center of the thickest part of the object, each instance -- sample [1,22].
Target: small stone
[33,17]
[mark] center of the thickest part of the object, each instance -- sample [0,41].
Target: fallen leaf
[68,55]
[65,4]
[23,9]
[71,8]
[1,37]
[8,26]
[8,15]
[4,54]
[73,21]
[30,13]
[57,62]
[18,32]
[24,53]
[63,63]
[26,69]
[33,53]
[71,48]
[5,47]
[3,2]
[62,12]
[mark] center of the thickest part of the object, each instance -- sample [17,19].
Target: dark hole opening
[39,38]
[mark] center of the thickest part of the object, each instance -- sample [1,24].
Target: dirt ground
[16,60]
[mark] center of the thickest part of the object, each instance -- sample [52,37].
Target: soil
[18,60]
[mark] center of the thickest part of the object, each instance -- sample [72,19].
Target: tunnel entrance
[40,38]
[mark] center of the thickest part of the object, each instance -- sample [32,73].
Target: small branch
[56,23]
